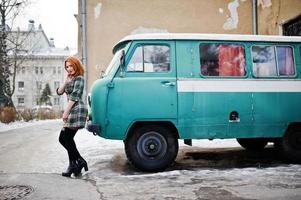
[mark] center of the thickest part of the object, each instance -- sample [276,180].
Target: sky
[56,17]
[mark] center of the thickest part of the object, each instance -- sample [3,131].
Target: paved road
[32,157]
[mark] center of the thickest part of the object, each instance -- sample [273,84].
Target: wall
[110,20]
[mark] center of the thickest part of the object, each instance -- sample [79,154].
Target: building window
[39,85]
[56,84]
[21,85]
[59,70]
[54,70]
[293,27]
[218,59]
[57,101]
[37,70]
[21,101]
[41,70]
[273,61]
[150,58]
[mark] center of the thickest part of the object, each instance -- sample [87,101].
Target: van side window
[222,59]
[150,58]
[273,61]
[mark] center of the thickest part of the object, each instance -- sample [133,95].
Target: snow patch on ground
[87,139]
[22,124]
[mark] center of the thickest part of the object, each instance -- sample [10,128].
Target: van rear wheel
[151,148]
[252,144]
[291,144]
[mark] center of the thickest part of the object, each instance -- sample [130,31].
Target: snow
[22,124]
[109,168]
[87,138]
[117,179]
[217,143]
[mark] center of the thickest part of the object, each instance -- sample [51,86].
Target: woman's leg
[69,143]
[66,138]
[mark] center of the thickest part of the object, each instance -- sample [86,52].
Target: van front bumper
[94,128]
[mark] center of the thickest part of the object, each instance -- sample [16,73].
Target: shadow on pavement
[219,158]
[227,158]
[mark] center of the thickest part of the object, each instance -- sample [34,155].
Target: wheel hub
[151,145]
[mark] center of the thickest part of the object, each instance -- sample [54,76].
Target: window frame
[21,103]
[142,44]
[57,101]
[21,88]
[56,84]
[276,61]
[39,85]
[225,43]
[23,70]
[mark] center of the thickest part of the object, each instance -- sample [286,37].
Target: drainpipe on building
[254,17]
[84,43]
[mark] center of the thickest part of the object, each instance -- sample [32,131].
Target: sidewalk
[46,186]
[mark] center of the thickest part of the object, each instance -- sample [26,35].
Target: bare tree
[9,9]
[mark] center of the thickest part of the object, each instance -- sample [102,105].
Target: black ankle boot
[72,168]
[82,164]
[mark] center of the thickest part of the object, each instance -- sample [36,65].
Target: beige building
[104,22]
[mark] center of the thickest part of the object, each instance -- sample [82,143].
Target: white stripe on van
[226,85]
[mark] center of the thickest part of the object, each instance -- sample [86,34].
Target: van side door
[212,100]
[147,89]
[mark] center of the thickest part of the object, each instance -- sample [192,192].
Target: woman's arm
[60,90]
[74,96]
[67,110]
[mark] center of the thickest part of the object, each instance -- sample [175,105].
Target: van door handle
[168,83]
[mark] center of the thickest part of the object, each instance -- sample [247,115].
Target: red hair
[77,65]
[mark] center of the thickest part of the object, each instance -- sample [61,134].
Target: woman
[74,115]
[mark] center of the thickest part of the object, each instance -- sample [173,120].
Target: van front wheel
[151,148]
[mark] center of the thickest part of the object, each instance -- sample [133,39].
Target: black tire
[252,144]
[291,144]
[151,148]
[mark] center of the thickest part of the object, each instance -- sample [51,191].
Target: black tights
[67,140]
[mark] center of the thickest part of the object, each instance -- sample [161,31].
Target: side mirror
[122,63]
[122,59]
[102,73]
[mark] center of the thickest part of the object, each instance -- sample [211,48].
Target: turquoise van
[160,88]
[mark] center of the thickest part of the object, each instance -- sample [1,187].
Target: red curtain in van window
[231,60]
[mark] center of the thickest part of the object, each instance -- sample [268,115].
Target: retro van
[160,88]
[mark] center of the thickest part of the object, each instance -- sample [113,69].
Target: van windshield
[115,62]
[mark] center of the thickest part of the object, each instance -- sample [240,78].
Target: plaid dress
[77,116]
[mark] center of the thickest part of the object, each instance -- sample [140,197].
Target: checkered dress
[77,116]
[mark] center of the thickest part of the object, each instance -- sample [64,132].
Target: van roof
[199,36]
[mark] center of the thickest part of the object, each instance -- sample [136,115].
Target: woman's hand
[65,116]
[68,78]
